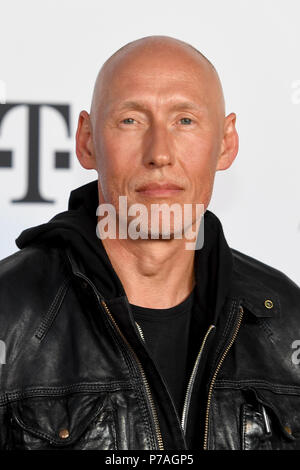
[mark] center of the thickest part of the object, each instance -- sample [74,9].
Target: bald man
[126,327]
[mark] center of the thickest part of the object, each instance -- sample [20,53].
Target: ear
[230,143]
[84,142]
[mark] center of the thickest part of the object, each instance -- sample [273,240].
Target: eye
[186,120]
[127,119]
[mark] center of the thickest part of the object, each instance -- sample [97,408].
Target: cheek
[116,151]
[114,164]
[202,146]
[200,159]
[200,166]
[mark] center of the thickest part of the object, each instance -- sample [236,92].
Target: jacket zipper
[140,331]
[192,377]
[216,373]
[191,382]
[148,391]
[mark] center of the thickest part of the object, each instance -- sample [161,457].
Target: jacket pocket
[76,421]
[270,420]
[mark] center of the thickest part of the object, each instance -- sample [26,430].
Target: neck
[154,273]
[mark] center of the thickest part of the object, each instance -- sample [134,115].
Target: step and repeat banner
[50,55]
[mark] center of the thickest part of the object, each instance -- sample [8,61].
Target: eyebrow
[182,105]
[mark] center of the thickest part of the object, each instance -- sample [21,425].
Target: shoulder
[257,282]
[29,281]
[30,266]
[250,266]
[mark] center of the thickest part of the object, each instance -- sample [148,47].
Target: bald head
[158,52]
[157,115]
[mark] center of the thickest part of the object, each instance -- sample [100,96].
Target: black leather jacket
[73,379]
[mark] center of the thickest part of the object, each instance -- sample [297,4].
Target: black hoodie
[76,227]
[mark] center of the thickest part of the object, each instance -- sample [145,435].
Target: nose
[157,147]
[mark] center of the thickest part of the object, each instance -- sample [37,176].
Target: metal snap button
[268,303]
[64,433]
[288,429]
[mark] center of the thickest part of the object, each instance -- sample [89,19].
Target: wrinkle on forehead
[159,51]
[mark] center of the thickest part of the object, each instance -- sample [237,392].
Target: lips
[164,189]
[159,187]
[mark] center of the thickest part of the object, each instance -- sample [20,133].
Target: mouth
[159,189]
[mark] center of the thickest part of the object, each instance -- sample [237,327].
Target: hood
[76,228]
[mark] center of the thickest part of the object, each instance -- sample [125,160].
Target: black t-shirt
[167,333]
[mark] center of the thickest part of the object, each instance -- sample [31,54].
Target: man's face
[158,121]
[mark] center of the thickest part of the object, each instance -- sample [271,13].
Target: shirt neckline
[156,314]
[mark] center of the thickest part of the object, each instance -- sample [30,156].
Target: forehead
[164,87]
[159,79]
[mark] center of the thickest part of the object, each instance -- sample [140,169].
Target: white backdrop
[51,51]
